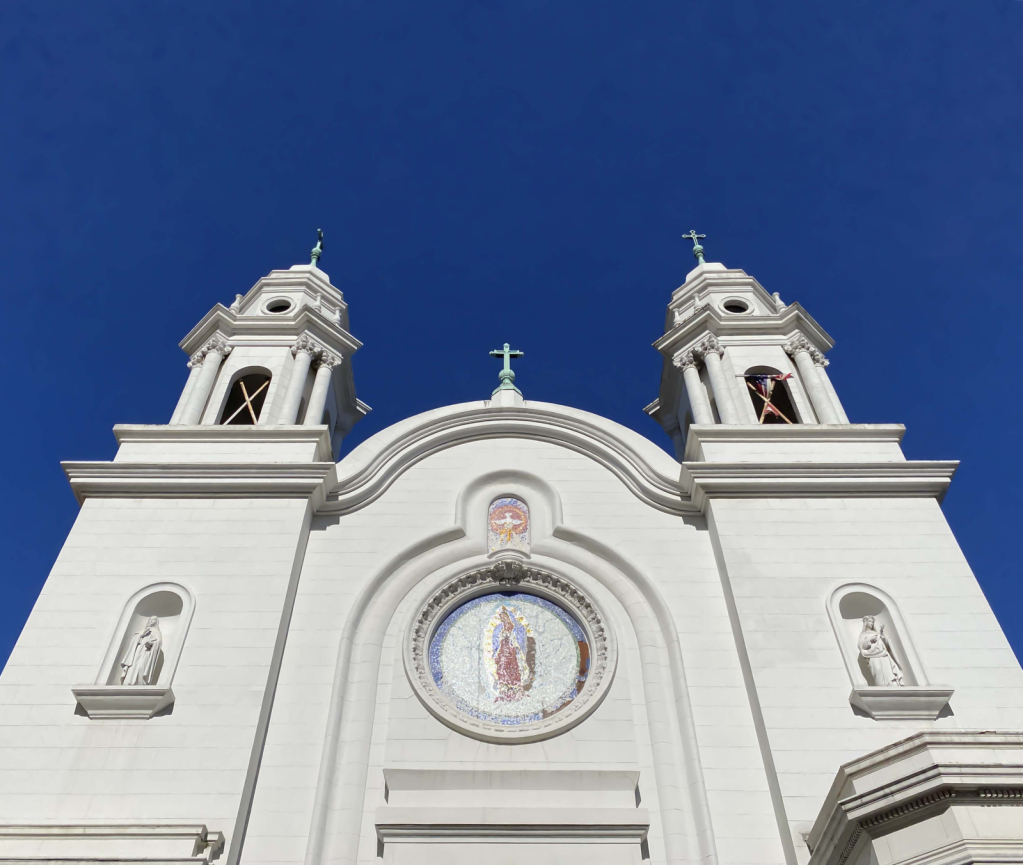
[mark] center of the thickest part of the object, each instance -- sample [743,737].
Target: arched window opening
[769,393]
[246,399]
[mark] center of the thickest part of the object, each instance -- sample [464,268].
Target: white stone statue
[139,662]
[874,646]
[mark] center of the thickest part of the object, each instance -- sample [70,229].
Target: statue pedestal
[911,702]
[123,701]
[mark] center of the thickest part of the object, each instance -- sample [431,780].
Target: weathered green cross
[506,375]
[697,249]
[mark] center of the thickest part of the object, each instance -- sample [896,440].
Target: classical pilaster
[830,388]
[193,375]
[698,402]
[208,359]
[710,352]
[806,356]
[304,350]
[321,387]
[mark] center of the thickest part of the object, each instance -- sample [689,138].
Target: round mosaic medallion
[510,658]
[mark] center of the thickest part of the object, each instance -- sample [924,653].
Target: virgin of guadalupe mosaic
[508,526]
[509,658]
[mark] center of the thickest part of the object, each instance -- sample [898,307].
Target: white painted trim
[148,434]
[796,433]
[511,825]
[153,842]
[199,480]
[869,792]
[369,470]
[923,478]
[909,703]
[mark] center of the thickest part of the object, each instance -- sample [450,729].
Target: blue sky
[495,171]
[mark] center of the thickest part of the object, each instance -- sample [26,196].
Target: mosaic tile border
[510,576]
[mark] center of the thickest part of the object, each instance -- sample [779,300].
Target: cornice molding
[198,844]
[372,479]
[970,768]
[778,329]
[200,480]
[261,330]
[318,435]
[705,480]
[396,824]
[366,473]
[794,433]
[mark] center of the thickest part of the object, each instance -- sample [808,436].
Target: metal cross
[506,375]
[697,249]
[318,249]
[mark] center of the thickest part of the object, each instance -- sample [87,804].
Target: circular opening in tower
[736,306]
[278,305]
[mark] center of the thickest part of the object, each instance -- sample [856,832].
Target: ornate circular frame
[510,575]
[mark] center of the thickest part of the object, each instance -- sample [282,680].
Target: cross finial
[697,249]
[318,249]
[506,375]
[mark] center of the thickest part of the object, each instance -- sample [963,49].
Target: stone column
[321,387]
[803,354]
[830,388]
[698,402]
[303,350]
[193,375]
[711,353]
[210,356]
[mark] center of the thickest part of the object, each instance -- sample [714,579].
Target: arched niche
[851,604]
[914,698]
[172,605]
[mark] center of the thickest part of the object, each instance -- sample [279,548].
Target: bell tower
[280,355]
[735,354]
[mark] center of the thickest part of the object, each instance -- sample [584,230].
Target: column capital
[216,343]
[329,360]
[801,343]
[798,344]
[307,344]
[710,345]
[684,360]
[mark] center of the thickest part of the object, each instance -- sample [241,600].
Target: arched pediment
[650,473]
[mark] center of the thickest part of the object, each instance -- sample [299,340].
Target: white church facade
[509,631]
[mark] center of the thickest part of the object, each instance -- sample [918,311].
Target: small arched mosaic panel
[508,526]
[509,658]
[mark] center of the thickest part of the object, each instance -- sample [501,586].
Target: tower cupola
[279,354]
[736,354]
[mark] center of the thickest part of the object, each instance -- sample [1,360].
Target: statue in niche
[877,651]
[139,662]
